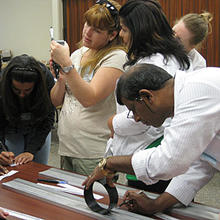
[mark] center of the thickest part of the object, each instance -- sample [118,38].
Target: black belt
[92,203]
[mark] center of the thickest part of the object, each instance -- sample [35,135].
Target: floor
[209,195]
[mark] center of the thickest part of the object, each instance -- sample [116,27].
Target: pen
[3,147]
[127,201]
[52,181]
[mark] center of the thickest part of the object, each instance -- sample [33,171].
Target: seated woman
[26,112]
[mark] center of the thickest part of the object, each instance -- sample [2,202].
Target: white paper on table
[13,164]
[20,215]
[69,189]
[76,189]
[10,173]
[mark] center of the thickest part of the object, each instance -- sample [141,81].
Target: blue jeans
[15,143]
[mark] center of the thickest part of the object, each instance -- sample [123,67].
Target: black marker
[52,181]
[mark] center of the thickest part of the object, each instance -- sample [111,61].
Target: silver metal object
[197,211]
[66,200]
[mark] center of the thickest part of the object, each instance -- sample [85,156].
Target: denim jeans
[15,143]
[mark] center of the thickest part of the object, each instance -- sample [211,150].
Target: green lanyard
[153,144]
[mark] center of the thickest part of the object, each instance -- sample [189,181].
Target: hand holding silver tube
[56,66]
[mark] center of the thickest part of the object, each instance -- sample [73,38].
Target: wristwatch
[66,69]
[102,166]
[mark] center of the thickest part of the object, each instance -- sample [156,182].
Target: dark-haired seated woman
[26,112]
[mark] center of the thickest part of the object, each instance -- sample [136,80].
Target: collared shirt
[130,136]
[194,130]
[197,61]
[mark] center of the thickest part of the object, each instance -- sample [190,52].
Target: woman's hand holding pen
[3,170]
[6,158]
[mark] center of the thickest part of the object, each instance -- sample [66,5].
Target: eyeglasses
[130,114]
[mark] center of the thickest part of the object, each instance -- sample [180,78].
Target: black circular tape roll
[93,204]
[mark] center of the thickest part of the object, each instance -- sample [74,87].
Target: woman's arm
[124,126]
[58,91]
[102,84]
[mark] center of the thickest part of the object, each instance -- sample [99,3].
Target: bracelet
[105,172]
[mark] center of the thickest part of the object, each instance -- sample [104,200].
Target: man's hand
[3,214]
[24,158]
[97,174]
[6,158]
[140,203]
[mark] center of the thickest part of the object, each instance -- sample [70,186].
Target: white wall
[24,26]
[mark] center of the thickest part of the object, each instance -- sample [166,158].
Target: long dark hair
[150,33]
[23,69]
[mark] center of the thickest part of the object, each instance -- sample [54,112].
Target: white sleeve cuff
[184,187]
[139,166]
[183,193]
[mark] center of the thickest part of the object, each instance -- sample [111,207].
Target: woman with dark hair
[149,39]
[26,112]
[149,33]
